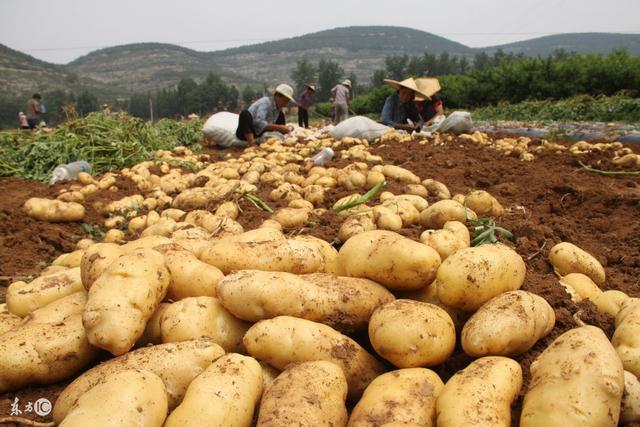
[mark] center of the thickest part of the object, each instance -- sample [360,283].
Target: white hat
[347,82]
[286,91]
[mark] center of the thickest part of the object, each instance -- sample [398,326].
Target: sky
[60,31]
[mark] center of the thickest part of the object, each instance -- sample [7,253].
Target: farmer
[340,97]
[305,101]
[400,111]
[34,111]
[265,115]
[22,120]
[430,106]
[106,110]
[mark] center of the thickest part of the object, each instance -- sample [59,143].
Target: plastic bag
[359,127]
[456,122]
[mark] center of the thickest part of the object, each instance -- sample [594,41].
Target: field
[548,198]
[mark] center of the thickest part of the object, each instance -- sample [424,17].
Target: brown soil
[548,200]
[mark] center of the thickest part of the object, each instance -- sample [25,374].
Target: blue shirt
[264,112]
[395,112]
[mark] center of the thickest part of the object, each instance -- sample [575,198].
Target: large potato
[176,363]
[328,252]
[307,394]
[123,299]
[43,353]
[69,260]
[483,204]
[481,394]
[53,210]
[436,215]
[95,261]
[580,287]
[507,325]
[23,298]
[429,294]
[472,276]
[194,317]
[406,397]
[626,338]
[60,309]
[344,303]
[578,380]
[225,394]
[390,259]
[284,340]
[568,258]
[411,333]
[126,398]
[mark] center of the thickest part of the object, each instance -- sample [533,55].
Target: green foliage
[484,232]
[329,74]
[303,74]
[373,102]
[86,103]
[324,108]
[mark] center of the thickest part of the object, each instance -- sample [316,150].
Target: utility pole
[151,109]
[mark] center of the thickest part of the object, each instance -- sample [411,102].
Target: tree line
[484,80]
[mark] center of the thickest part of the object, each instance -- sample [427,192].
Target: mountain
[582,43]
[359,50]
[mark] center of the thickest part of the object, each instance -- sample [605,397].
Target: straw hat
[347,83]
[409,83]
[312,87]
[286,91]
[429,86]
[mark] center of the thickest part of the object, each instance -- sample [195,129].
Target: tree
[248,95]
[139,105]
[377,79]
[303,74]
[86,103]
[329,74]
[187,96]
[396,66]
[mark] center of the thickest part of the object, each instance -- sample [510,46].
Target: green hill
[582,43]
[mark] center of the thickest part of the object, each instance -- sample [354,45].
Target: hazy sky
[61,30]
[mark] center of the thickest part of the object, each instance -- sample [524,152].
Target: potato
[301,204]
[626,338]
[328,252]
[630,408]
[53,210]
[114,236]
[411,334]
[417,190]
[483,204]
[507,325]
[400,174]
[177,364]
[404,209]
[344,303]
[355,225]
[472,276]
[385,219]
[405,396]
[23,298]
[225,394]
[436,189]
[129,397]
[148,242]
[314,194]
[568,258]
[95,261]
[580,287]
[8,320]
[291,218]
[43,353]
[123,299]
[58,310]
[307,394]
[436,215]
[190,277]
[195,317]
[70,260]
[152,334]
[578,380]
[610,301]
[284,340]
[373,178]
[429,294]
[481,394]
[390,259]
[453,236]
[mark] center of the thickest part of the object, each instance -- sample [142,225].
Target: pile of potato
[211,324]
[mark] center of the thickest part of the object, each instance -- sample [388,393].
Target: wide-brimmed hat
[312,87]
[409,83]
[429,86]
[286,91]
[347,82]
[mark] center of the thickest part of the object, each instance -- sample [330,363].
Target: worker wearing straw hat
[430,106]
[265,115]
[399,109]
[305,101]
[340,96]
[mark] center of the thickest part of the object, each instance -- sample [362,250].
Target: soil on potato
[548,200]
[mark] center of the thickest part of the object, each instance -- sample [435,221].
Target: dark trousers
[245,124]
[303,117]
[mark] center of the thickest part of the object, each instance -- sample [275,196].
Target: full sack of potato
[53,210]
[344,303]
[411,333]
[481,394]
[177,364]
[123,299]
[507,325]
[284,340]
[390,259]
[225,394]
[568,258]
[307,394]
[401,397]
[472,276]
[129,397]
[578,380]
[626,338]
[195,317]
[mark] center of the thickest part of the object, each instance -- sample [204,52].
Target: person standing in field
[34,111]
[265,115]
[22,120]
[305,101]
[340,97]
[106,110]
